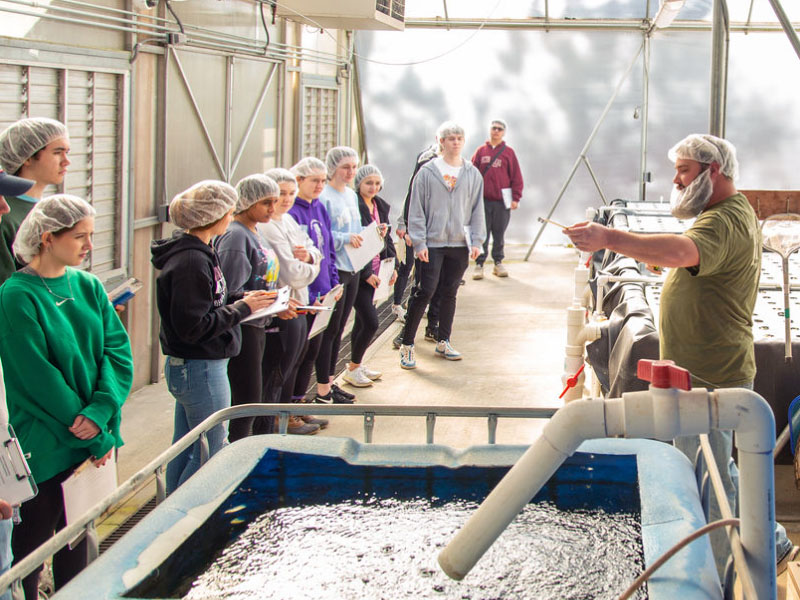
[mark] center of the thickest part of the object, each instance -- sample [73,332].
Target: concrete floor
[511,332]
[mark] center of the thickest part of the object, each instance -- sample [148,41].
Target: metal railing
[86,524]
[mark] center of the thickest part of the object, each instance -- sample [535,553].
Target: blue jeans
[6,557]
[722,447]
[200,388]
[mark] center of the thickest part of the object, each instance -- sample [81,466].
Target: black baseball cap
[13,186]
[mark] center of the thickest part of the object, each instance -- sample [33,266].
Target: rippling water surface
[382,548]
[306,526]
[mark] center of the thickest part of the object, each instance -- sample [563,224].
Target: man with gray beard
[711,287]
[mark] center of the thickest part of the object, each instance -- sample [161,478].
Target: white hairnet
[707,149]
[53,213]
[25,138]
[366,171]
[280,175]
[448,128]
[500,122]
[202,204]
[308,166]
[254,188]
[336,155]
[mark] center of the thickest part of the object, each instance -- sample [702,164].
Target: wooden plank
[793,581]
[771,202]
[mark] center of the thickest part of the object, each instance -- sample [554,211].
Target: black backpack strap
[494,158]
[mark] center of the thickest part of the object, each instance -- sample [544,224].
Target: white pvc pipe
[661,414]
[577,421]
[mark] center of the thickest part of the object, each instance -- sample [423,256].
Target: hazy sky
[552,87]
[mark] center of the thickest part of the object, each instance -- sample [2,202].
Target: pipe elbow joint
[749,415]
[574,423]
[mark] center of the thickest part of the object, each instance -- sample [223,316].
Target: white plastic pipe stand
[664,412]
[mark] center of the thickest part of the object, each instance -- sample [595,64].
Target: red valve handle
[663,374]
[571,381]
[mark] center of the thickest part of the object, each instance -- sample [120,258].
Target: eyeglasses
[495,128]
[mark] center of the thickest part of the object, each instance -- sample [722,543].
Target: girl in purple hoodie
[311,215]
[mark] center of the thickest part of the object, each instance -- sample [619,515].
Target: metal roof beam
[548,23]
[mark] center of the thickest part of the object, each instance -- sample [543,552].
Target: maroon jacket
[504,173]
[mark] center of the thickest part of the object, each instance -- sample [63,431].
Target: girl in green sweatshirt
[68,369]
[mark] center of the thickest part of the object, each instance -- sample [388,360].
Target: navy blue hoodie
[196,319]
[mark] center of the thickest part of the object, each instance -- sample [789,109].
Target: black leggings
[306,364]
[332,336]
[433,303]
[403,273]
[442,274]
[293,334]
[244,374]
[366,322]
[42,516]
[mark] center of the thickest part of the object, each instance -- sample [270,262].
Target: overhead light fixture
[667,13]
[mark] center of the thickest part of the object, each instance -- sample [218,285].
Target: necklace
[63,299]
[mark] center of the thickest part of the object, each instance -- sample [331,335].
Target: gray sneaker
[499,270]
[477,272]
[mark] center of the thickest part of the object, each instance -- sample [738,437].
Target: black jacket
[192,297]
[389,251]
[422,159]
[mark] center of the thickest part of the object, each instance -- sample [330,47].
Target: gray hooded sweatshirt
[437,215]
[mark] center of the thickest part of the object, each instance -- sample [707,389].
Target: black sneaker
[431,334]
[341,399]
[340,396]
[326,399]
[397,342]
[339,391]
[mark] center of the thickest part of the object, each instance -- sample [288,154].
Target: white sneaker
[407,358]
[356,378]
[445,350]
[398,311]
[477,273]
[370,373]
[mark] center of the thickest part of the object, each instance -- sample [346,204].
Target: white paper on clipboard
[324,316]
[507,197]
[371,245]
[87,486]
[281,303]
[384,274]
[16,482]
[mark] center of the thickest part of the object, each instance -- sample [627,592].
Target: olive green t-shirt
[706,311]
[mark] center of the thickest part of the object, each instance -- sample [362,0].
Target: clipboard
[507,197]
[125,291]
[323,317]
[383,290]
[281,303]
[371,246]
[87,486]
[16,482]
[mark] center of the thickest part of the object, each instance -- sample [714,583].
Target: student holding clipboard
[341,203]
[373,209]
[72,371]
[312,217]
[199,319]
[300,265]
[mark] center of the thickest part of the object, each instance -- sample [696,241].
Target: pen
[543,220]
